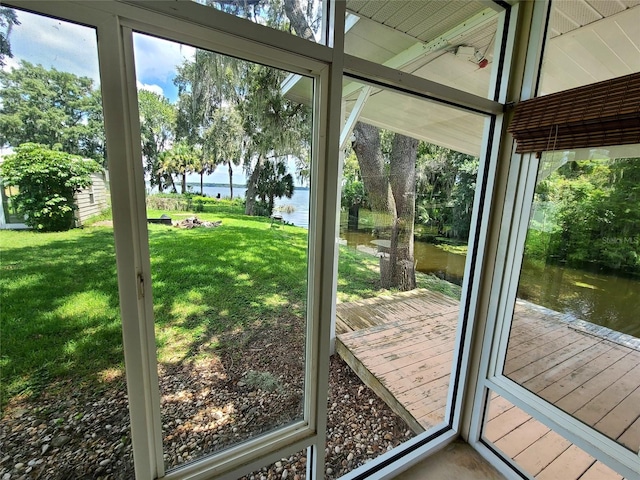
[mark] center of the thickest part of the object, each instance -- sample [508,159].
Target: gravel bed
[75,432]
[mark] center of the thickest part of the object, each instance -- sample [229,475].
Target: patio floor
[402,346]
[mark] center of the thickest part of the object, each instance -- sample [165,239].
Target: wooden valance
[596,115]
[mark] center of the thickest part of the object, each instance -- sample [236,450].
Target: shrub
[47,181]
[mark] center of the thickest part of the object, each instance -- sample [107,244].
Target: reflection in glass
[451,43]
[574,339]
[227,156]
[409,181]
[63,397]
[302,18]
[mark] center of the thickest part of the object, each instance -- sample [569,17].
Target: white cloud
[157,59]
[73,48]
[10,64]
[56,44]
[157,89]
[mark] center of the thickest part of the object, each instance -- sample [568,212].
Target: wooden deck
[402,347]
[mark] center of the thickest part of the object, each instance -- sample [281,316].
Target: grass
[60,314]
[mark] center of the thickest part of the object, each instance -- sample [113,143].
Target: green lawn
[59,294]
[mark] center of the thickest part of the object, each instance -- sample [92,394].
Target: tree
[157,123]
[274,181]
[274,126]
[47,181]
[446,183]
[181,159]
[354,195]
[8,19]
[51,108]
[392,196]
[223,140]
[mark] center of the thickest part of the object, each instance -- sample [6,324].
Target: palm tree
[181,159]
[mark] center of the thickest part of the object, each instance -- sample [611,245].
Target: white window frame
[508,236]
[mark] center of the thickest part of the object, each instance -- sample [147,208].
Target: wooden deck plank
[631,436]
[540,365]
[548,377]
[497,405]
[539,348]
[504,423]
[596,385]
[572,463]
[599,471]
[521,438]
[542,452]
[616,421]
[567,384]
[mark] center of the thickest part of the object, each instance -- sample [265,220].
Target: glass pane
[227,160]
[589,43]
[536,449]
[302,18]
[293,467]
[63,392]
[409,181]
[574,339]
[451,43]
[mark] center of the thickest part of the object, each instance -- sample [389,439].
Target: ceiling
[589,41]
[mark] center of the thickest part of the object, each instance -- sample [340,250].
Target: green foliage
[179,160]
[47,181]
[52,108]
[445,189]
[167,201]
[157,123]
[591,216]
[274,181]
[263,380]
[8,19]
[353,193]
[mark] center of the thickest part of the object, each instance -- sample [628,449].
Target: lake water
[599,298]
[298,203]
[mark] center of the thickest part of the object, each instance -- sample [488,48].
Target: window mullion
[123,134]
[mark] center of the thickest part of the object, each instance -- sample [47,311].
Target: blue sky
[73,48]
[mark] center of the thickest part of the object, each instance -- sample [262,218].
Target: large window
[563,367]
[63,395]
[406,235]
[226,155]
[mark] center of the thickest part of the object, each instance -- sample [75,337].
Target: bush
[167,201]
[47,181]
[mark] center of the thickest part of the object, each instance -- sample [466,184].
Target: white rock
[284,474]
[105,462]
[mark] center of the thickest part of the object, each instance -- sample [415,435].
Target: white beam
[421,49]
[292,79]
[354,116]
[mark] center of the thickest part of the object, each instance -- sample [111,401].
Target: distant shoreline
[226,185]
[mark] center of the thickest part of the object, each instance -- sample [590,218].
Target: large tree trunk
[252,187]
[297,19]
[202,183]
[392,200]
[184,183]
[402,178]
